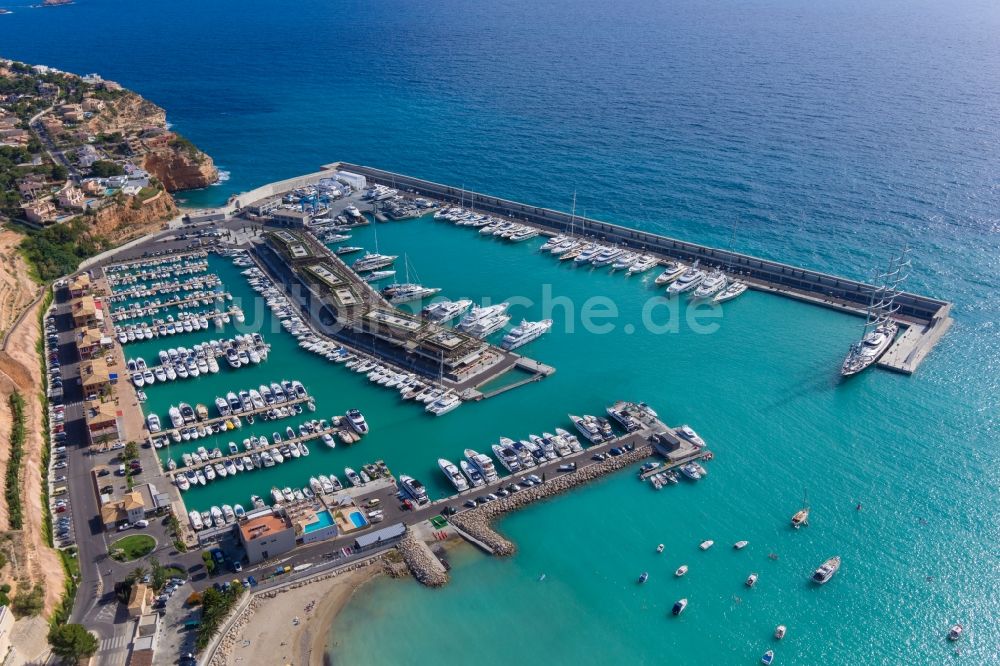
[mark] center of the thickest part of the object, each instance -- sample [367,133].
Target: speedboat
[679,606]
[455,476]
[153,423]
[705,545]
[751,580]
[825,571]
[689,281]
[768,658]
[681,570]
[955,633]
[740,545]
[688,433]
[659,549]
[780,631]
[643,577]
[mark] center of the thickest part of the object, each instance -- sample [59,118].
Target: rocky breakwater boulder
[423,564]
[478,522]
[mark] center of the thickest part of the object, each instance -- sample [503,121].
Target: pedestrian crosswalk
[114,643]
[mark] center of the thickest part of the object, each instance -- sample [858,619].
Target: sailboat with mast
[801,516]
[373,260]
[880,329]
[407,291]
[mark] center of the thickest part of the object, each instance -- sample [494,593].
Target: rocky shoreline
[478,522]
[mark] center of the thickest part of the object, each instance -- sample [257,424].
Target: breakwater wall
[423,564]
[478,522]
[821,288]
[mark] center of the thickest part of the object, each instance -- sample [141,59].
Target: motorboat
[353,477]
[445,311]
[681,570]
[483,463]
[955,632]
[825,571]
[642,264]
[525,332]
[740,545]
[222,407]
[588,427]
[780,631]
[643,577]
[679,606]
[659,549]
[357,421]
[690,471]
[472,473]
[705,545]
[507,457]
[454,475]
[688,433]
[414,489]
[372,261]
[153,423]
[768,658]
[751,580]
[176,420]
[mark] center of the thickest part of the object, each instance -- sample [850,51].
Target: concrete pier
[803,284]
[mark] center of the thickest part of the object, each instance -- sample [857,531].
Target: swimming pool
[358,519]
[323,519]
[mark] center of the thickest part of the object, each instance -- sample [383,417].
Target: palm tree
[138,573]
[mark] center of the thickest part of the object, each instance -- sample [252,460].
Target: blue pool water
[323,519]
[358,519]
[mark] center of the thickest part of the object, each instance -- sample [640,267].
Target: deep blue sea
[827,134]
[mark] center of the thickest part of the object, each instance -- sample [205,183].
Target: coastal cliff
[175,161]
[132,217]
[180,169]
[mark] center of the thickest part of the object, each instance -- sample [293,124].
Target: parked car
[141,523]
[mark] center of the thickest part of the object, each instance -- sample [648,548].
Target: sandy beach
[292,627]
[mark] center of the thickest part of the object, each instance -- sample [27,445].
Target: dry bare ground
[31,559]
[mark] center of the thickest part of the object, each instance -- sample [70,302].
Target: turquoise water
[323,519]
[831,131]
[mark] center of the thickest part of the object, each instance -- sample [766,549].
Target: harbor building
[130,508]
[267,536]
[346,308]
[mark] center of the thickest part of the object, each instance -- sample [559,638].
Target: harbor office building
[349,310]
[266,536]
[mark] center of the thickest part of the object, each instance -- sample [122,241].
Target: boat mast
[572,216]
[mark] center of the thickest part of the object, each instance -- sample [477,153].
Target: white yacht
[372,261]
[689,281]
[404,293]
[642,264]
[473,474]
[732,290]
[870,349]
[526,332]
[455,476]
[483,463]
[444,311]
[478,314]
[713,283]
[507,457]
[444,404]
[414,489]
[671,271]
